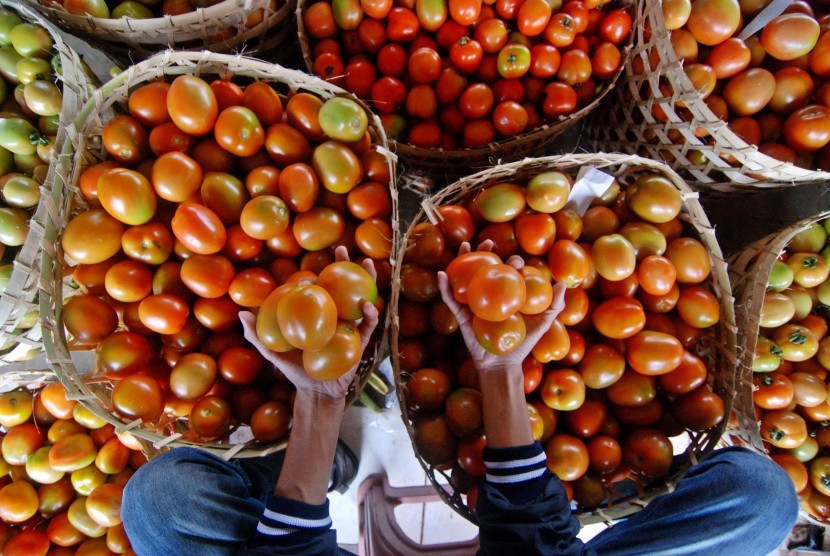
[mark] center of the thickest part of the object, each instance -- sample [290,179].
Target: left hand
[290,363]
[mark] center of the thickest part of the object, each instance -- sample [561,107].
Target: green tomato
[8,21]
[95,8]
[823,293]
[27,163]
[767,356]
[806,452]
[343,119]
[32,68]
[5,275]
[19,136]
[9,58]
[802,299]
[43,98]
[780,277]
[49,125]
[29,39]
[809,240]
[776,310]
[14,225]
[4,90]
[132,9]
[6,161]
[513,61]
[21,192]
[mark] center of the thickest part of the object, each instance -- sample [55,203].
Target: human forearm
[308,458]
[506,421]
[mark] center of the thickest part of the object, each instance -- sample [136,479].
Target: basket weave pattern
[629,124]
[84,148]
[20,295]
[718,347]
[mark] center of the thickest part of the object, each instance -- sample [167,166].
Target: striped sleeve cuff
[519,473]
[284,516]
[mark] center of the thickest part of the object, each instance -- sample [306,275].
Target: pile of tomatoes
[772,88]
[465,73]
[617,374]
[146,9]
[30,105]
[63,474]
[790,366]
[216,199]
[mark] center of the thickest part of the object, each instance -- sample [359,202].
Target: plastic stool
[380,534]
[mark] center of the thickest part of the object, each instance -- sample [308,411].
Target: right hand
[536,325]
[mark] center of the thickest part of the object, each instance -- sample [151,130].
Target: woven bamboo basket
[717,347]
[84,148]
[458,162]
[629,124]
[749,270]
[20,338]
[219,28]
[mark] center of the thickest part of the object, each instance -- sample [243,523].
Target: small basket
[219,28]
[629,124]
[718,347]
[459,162]
[84,148]
[749,270]
[19,301]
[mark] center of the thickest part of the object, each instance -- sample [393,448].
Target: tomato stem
[809,262]
[776,434]
[775,350]
[798,337]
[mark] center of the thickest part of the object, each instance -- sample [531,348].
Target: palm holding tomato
[290,363]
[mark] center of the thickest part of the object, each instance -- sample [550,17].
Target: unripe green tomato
[28,320]
[9,59]
[767,356]
[806,452]
[803,301]
[43,98]
[14,225]
[18,136]
[26,163]
[8,21]
[810,239]
[95,8]
[21,192]
[4,90]
[343,119]
[6,161]
[87,479]
[823,293]
[30,39]
[49,125]
[33,68]
[826,224]
[132,9]
[780,277]
[44,151]
[5,274]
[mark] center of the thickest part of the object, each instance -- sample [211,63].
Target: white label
[590,184]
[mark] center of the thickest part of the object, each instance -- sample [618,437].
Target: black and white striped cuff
[284,516]
[519,473]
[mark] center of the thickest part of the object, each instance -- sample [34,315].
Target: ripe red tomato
[648,452]
[192,105]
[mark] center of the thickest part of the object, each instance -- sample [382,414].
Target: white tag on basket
[590,184]
[773,10]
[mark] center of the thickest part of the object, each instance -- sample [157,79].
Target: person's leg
[189,501]
[734,502]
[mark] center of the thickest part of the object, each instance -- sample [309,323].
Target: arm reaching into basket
[296,518]
[521,505]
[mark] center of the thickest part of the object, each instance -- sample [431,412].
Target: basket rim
[726,351]
[73,158]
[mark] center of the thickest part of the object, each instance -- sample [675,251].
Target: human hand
[536,325]
[291,364]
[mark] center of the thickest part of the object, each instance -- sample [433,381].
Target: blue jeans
[188,501]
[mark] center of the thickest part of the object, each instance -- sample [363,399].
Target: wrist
[319,401]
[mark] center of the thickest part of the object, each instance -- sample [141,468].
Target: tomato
[463,410]
[192,105]
[428,389]
[713,21]
[616,26]
[632,389]
[563,389]
[619,317]
[485,287]
[148,103]
[271,421]
[553,345]
[808,129]
[125,139]
[567,457]
[587,420]
[432,437]
[163,313]
[500,337]
[402,25]
[613,257]
[89,319]
[601,366]
[119,354]
[796,342]
[286,145]
[462,269]
[648,452]
[210,417]
[749,92]
[790,36]
[604,454]
[818,58]
[574,68]
[653,353]
[698,410]
[307,317]
[466,54]
[568,262]
[92,237]
[772,391]
[808,390]
[783,429]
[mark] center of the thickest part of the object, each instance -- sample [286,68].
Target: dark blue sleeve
[522,508]
[291,527]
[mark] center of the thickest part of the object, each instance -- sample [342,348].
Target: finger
[368,323]
[538,325]
[248,321]
[369,266]
[516,262]
[446,294]
[341,253]
[464,248]
[558,302]
[486,245]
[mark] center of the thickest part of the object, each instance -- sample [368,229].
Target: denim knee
[764,490]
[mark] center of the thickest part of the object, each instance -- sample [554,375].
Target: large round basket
[717,346]
[749,271]
[720,162]
[20,338]
[443,163]
[84,148]
[222,27]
